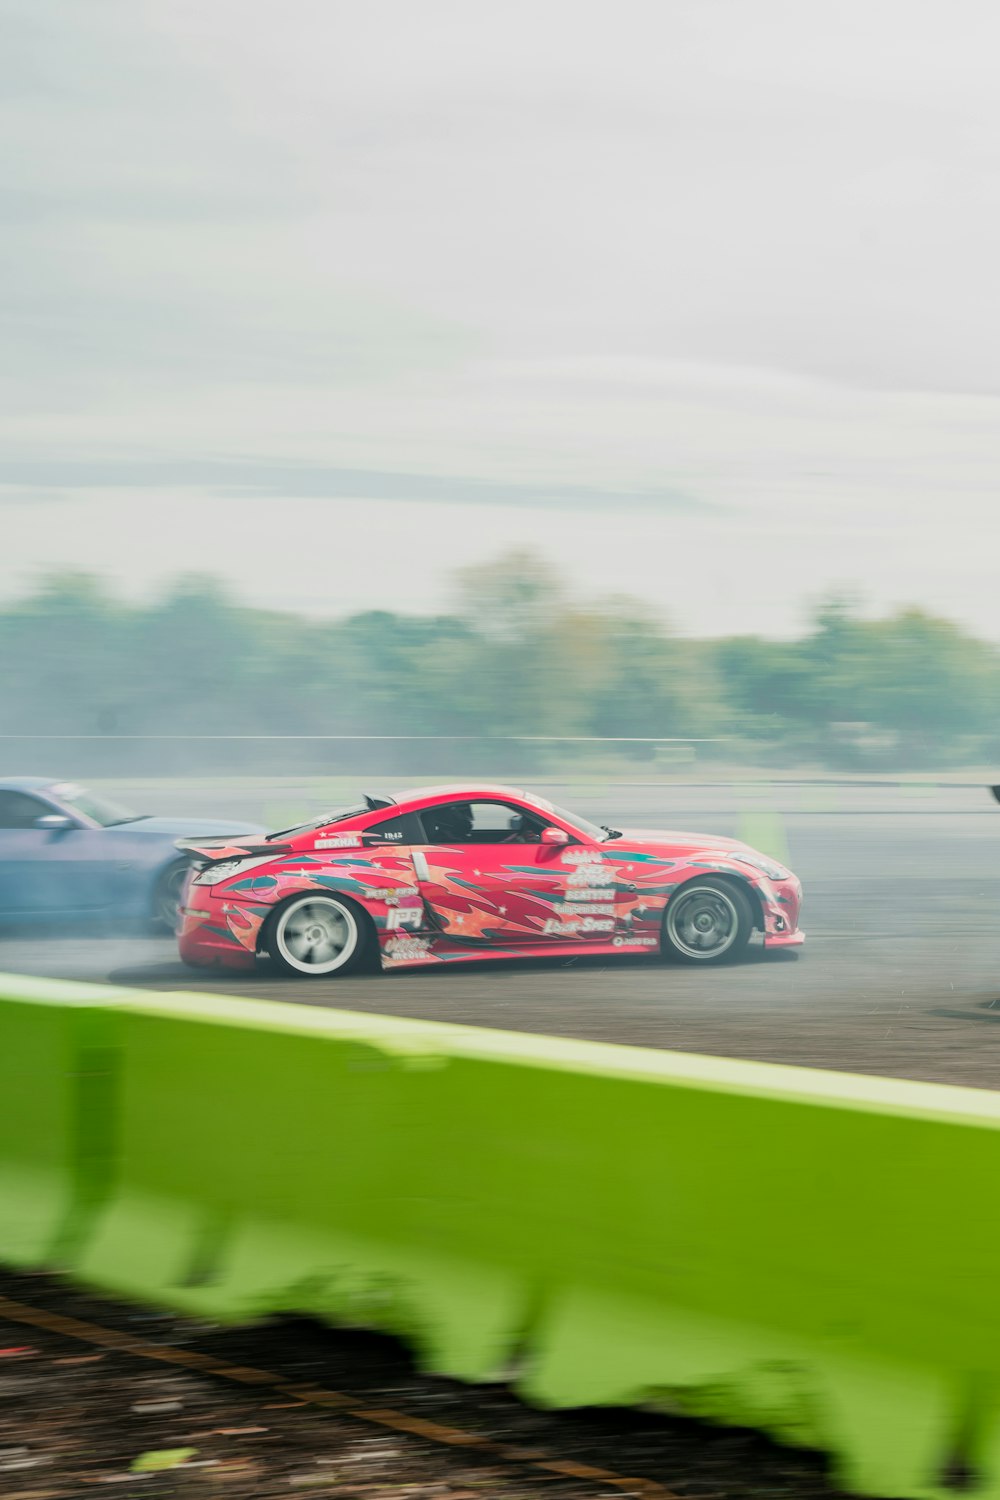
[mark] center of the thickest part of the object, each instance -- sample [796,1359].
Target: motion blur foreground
[452,873]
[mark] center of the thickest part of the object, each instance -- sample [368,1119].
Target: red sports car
[449,873]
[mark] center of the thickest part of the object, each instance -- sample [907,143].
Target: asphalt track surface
[900,974]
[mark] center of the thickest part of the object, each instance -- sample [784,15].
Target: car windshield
[98,809]
[582,825]
[338,816]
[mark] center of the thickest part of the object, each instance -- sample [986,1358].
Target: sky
[696,298]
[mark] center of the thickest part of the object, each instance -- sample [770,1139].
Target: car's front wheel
[316,936]
[707,921]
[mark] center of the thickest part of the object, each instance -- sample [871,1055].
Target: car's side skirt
[412,950]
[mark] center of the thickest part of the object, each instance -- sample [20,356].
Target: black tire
[707,922]
[333,928]
[167,896]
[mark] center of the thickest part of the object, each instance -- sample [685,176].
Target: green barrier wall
[57,1075]
[809,1253]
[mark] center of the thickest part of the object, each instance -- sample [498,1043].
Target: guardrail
[503,757]
[808,1253]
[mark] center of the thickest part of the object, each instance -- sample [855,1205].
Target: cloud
[615,271]
[233,478]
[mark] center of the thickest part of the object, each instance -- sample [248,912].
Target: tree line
[517,675]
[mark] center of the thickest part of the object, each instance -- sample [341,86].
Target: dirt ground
[325,1415]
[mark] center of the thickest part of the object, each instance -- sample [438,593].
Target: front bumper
[784,939]
[782,903]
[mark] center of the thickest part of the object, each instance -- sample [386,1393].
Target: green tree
[517,662]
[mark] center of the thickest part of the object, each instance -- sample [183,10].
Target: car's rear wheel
[167,896]
[317,936]
[707,922]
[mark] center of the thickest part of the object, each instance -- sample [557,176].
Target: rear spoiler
[211,851]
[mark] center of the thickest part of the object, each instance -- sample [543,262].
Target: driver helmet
[451,822]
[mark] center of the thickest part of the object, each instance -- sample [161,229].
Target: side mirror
[554,836]
[996,793]
[54,823]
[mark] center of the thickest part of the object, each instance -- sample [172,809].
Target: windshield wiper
[612,833]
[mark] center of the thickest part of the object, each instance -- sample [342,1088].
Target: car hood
[177,828]
[671,841]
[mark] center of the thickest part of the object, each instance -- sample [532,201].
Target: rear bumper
[209,938]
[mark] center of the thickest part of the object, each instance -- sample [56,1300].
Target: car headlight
[768,867]
[227,867]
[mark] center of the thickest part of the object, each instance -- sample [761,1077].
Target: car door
[46,870]
[387,862]
[487,878]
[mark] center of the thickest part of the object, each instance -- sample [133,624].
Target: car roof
[26,783]
[449,790]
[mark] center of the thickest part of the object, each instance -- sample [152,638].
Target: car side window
[481,823]
[18,810]
[402,829]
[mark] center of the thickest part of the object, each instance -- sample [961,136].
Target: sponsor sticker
[634,942]
[581,857]
[591,909]
[583,893]
[555,928]
[408,947]
[339,843]
[403,916]
[592,875]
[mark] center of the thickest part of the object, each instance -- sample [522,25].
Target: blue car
[69,853]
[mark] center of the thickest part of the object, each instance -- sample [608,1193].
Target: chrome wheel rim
[703,922]
[316,937]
